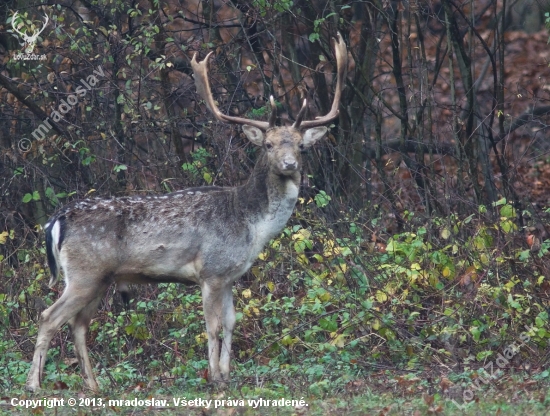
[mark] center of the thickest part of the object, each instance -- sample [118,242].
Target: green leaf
[508,211]
[476,333]
[328,325]
[118,168]
[524,255]
[27,198]
[322,199]
[313,37]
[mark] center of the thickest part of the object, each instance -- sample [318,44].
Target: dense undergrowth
[325,307]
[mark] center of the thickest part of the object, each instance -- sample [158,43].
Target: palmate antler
[200,71]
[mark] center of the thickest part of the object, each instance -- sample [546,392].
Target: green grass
[384,393]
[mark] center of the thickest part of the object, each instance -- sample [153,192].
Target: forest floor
[382,394]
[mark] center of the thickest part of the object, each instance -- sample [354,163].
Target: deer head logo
[29,41]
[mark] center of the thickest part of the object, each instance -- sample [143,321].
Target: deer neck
[269,197]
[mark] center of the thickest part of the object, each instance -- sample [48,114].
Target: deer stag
[208,236]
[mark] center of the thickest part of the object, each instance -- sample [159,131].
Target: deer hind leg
[214,300]
[75,298]
[79,327]
[228,323]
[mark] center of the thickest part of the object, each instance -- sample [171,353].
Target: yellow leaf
[288,340]
[302,234]
[262,255]
[303,260]
[376,324]
[318,257]
[271,286]
[338,340]
[381,296]
[446,271]
[484,258]
[445,233]
[325,297]
[104,31]
[416,266]
[3,237]
[247,293]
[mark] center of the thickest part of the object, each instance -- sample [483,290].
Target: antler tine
[300,115]
[341,53]
[200,71]
[13,25]
[273,116]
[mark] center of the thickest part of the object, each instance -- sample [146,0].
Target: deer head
[282,145]
[29,41]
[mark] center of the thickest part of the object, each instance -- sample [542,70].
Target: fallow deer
[208,236]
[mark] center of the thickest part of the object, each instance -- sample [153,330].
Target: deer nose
[289,163]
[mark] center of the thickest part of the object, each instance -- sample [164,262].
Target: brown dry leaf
[468,277]
[403,382]
[385,411]
[139,386]
[435,410]
[429,400]
[380,247]
[527,383]
[445,383]
[354,386]
[59,385]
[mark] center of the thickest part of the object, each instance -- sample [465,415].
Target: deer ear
[313,135]
[254,134]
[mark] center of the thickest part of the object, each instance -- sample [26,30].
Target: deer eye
[269,146]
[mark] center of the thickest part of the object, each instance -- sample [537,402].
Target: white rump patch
[56,231]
